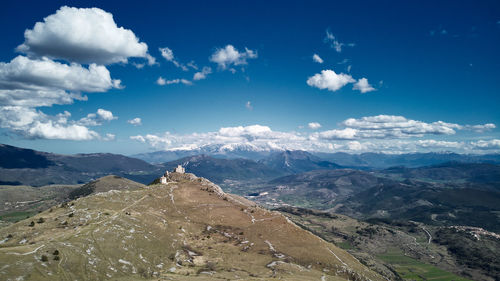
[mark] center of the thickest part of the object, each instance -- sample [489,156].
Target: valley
[436,222]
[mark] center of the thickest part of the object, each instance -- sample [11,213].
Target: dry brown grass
[186,230]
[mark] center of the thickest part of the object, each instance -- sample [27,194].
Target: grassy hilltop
[186,230]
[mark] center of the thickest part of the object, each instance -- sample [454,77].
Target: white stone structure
[163,180]
[165,177]
[180,169]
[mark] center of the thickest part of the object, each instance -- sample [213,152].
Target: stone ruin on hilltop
[166,177]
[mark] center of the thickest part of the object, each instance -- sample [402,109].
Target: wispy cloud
[314,125]
[249,105]
[135,121]
[161,81]
[168,55]
[317,58]
[335,43]
[230,56]
[202,74]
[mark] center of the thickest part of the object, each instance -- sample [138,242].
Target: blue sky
[431,76]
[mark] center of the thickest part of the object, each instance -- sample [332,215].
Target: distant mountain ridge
[449,171]
[218,170]
[297,162]
[362,160]
[25,166]
[216,151]
[411,160]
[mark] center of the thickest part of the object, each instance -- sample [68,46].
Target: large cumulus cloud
[83,35]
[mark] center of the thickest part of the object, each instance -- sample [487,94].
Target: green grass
[412,269]
[17,216]
[345,245]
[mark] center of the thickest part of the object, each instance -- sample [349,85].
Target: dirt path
[428,234]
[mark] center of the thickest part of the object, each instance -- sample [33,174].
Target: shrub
[44,258]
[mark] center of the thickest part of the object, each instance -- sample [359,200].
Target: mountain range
[362,160]
[28,167]
[436,197]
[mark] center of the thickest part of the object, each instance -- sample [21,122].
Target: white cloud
[255,136]
[109,137]
[151,60]
[193,65]
[26,84]
[330,80]
[31,123]
[202,74]
[51,130]
[168,54]
[229,55]
[136,121]
[314,125]
[33,82]
[97,119]
[160,81]
[487,144]
[84,35]
[317,59]
[334,43]
[263,138]
[439,144]
[343,134]
[105,114]
[138,65]
[480,128]
[363,86]
[390,126]
[249,105]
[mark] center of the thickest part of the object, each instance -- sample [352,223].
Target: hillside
[323,188]
[451,171]
[34,168]
[204,233]
[297,161]
[365,195]
[19,202]
[410,160]
[407,250]
[105,184]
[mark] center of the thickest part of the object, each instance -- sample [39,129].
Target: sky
[364,76]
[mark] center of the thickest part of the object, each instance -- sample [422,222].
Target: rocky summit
[188,229]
